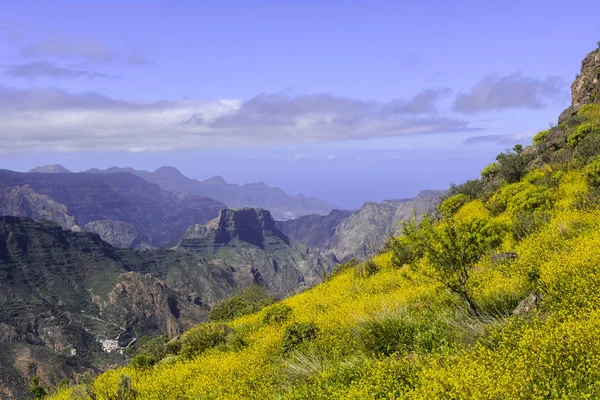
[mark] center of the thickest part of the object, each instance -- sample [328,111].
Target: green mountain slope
[494,295]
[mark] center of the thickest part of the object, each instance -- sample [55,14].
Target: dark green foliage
[403,252]
[298,333]
[142,361]
[36,390]
[582,132]
[366,269]
[202,338]
[348,265]
[399,332]
[451,205]
[588,147]
[125,389]
[453,248]
[251,300]
[276,314]
[512,164]
[472,189]
[528,222]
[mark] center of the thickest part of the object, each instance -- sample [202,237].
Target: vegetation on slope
[495,295]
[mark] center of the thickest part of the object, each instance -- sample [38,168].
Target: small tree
[36,390]
[512,164]
[453,247]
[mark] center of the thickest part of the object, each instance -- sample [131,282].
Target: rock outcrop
[247,242]
[586,87]
[23,201]
[50,169]
[360,233]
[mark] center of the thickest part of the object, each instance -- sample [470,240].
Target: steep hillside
[62,294]
[66,296]
[360,233]
[23,201]
[281,205]
[493,295]
[124,209]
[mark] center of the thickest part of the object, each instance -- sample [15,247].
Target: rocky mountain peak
[168,171]
[215,180]
[586,87]
[50,169]
[246,219]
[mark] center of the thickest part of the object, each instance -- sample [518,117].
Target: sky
[348,101]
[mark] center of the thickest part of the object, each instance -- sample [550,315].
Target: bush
[142,361]
[472,188]
[402,251]
[276,314]
[541,137]
[452,205]
[366,269]
[581,133]
[512,164]
[489,171]
[202,338]
[298,333]
[398,332]
[592,171]
[527,223]
[251,300]
[340,268]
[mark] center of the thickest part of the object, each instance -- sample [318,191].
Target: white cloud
[44,119]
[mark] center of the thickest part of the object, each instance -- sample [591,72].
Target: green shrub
[489,171]
[541,137]
[526,223]
[298,333]
[202,338]
[451,205]
[36,390]
[276,314]
[398,332]
[142,361]
[472,188]
[592,171]
[340,268]
[251,300]
[366,269]
[512,164]
[402,251]
[125,390]
[581,133]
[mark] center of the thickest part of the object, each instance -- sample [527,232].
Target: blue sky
[348,101]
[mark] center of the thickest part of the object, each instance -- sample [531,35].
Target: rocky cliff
[247,242]
[359,233]
[586,87]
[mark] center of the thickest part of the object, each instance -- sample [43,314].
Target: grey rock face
[247,242]
[360,233]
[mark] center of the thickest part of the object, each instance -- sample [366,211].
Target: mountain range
[281,205]
[70,302]
[360,233]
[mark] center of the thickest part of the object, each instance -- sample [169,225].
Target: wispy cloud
[495,92]
[47,69]
[43,119]
[507,139]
